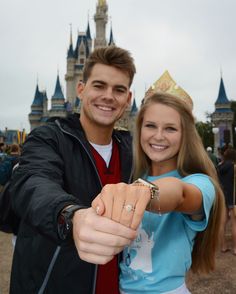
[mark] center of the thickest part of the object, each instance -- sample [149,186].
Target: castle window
[81,60]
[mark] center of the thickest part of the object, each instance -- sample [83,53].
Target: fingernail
[97,209]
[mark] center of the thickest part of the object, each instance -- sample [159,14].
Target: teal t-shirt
[157,261]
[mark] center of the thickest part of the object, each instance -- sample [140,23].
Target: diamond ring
[129,207]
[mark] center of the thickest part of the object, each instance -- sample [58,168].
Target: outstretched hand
[123,203]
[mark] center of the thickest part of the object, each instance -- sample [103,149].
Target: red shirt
[108,274]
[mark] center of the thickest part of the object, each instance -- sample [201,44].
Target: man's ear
[129,98]
[80,88]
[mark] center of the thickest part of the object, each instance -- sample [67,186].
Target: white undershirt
[104,150]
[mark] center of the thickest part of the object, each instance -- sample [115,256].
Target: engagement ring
[129,207]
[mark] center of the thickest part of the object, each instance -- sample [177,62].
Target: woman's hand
[123,203]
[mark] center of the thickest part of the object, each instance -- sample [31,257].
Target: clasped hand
[123,203]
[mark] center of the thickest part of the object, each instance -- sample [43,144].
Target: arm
[37,188]
[175,195]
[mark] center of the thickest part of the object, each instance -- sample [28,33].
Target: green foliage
[205,131]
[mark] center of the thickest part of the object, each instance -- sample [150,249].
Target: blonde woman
[178,219]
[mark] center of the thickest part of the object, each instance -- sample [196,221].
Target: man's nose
[109,93]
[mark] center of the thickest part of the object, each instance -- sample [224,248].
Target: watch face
[64,226]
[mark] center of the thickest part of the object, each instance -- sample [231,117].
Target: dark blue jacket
[56,169]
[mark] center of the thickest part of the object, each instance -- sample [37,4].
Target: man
[62,169]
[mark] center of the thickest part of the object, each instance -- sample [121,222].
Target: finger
[93,258]
[138,215]
[98,205]
[118,206]
[86,221]
[140,207]
[107,198]
[98,249]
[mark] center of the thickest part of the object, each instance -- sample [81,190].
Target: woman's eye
[171,129]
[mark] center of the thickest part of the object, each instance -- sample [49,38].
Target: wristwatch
[154,189]
[64,221]
[154,194]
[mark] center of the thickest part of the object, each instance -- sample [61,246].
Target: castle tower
[57,101]
[75,62]
[36,113]
[222,118]
[100,19]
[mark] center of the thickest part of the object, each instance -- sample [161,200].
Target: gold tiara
[167,85]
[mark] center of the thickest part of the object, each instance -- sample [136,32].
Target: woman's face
[161,135]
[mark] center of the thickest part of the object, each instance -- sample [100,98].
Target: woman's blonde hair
[192,158]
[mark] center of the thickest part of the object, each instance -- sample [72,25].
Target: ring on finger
[129,207]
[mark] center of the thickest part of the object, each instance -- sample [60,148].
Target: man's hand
[97,238]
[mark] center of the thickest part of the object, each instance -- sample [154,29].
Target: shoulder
[204,184]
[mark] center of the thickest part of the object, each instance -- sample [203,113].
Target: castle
[61,106]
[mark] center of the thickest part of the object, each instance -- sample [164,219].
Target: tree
[205,132]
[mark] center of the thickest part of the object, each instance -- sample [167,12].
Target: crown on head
[167,85]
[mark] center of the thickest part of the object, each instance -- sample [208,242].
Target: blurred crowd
[225,163]
[9,156]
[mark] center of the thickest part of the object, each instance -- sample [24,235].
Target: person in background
[63,167]
[181,208]
[212,156]
[226,176]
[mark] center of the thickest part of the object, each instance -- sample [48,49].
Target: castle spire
[70,53]
[111,40]
[222,97]
[58,91]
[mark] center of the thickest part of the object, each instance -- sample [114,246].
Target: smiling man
[63,167]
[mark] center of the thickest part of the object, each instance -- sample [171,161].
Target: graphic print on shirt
[142,247]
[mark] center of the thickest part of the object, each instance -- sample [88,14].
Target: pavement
[221,281]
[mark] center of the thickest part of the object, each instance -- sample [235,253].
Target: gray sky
[193,39]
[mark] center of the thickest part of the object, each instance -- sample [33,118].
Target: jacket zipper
[68,133]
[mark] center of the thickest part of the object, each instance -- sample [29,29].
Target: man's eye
[120,90]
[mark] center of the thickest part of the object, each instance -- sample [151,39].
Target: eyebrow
[104,83]
[166,124]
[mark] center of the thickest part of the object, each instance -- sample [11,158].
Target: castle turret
[36,113]
[222,118]
[57,101]
[100,18]
[89,39]
[111,39]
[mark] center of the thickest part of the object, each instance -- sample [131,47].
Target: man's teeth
[105,108]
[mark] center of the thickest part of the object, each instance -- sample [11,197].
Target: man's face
[105,96]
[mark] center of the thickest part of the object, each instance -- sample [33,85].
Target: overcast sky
[193,39]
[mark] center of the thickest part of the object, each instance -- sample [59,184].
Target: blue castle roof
[134,108]
[88,32]
[222,97]
[80,39]
[58,91]
[38,97]
[111,40]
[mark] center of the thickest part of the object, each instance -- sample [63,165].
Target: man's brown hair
[112,56]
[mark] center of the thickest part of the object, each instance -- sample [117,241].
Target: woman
[226,176]
[179,229]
